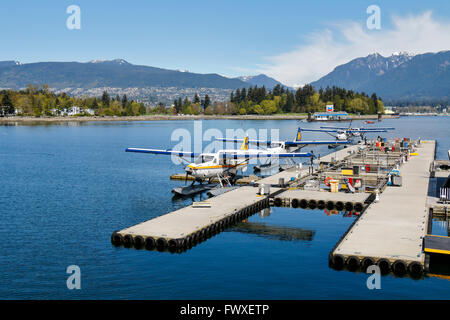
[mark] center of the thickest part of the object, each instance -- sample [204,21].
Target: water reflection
[271,232]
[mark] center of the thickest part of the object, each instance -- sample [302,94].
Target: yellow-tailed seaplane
[224,164]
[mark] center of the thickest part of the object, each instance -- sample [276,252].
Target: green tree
[207,101]
[8,103]
[124,101]
[142,109]
[196,99]
[106,99]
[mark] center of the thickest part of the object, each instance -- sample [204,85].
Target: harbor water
[65,187]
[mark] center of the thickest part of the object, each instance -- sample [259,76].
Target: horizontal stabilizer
[257,142]
[304,142]
[246,155]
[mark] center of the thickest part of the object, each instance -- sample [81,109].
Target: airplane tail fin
[244,145]
[298,137]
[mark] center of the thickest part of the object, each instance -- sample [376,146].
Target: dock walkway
[194,224]
[391,231]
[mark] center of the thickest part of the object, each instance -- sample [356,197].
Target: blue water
[66,187]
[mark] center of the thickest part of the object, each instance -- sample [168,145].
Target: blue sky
[226,37]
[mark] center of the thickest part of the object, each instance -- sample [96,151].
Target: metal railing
[444,194]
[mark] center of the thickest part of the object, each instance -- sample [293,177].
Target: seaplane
[284,146]
[356,130]
[224,164]
[342,133]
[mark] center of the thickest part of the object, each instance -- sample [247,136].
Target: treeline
[256,100]
[419,102]
[35,101]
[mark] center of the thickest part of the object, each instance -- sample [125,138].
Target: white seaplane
[356,132]
[347,133]
[223,164]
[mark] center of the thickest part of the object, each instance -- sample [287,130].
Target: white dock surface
[393,228]
[182,222]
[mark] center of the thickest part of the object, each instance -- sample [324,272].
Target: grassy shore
[173,117]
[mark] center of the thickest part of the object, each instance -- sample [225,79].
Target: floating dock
[390,232]
[188,226]
[298,198]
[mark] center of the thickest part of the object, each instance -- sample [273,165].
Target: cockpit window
[202,159]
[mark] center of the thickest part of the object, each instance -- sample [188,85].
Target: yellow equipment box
[347,172]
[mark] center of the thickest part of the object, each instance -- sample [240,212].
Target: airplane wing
[378,128]
[321,130]
[366,131]
[287,143]
[164,152]
[305,142]
[258,155]
[334,128]
[257,142]
[358,129]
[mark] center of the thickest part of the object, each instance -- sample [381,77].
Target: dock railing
[444,195]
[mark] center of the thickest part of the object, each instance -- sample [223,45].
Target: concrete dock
[191,225]
[391,231]
[183,228]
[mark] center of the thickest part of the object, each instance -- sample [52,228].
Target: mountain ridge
[117,73]
[403,76]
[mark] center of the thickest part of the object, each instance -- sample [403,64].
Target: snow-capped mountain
[114,62]
[261,80]
[400,76]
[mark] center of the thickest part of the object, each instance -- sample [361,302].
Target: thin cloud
[342,42]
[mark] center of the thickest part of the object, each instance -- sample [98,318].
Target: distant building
[74,111]
[330,116]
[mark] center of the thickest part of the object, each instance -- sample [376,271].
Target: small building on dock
[330,116]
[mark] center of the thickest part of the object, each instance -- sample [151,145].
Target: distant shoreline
[173,117]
